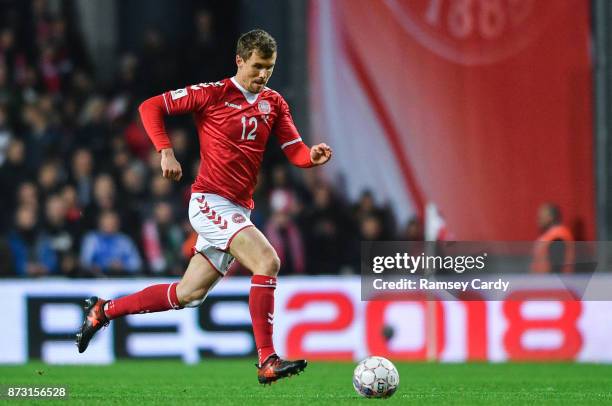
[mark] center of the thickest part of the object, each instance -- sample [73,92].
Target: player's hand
[320,154]
[171,168]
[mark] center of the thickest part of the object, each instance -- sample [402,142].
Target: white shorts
[216,220]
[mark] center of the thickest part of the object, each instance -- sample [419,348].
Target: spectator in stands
[8,101]
[328,233]
[27,195]
[161,190]
[553,251]
[205,48]
[74,213]
[366,207]
[6,96]
[71,200]
[104,198]
[121,161]
[11,55]
[42,141]
[280,192]
[50,69]
[31,252]
[414,230]
[66,50]
[14,166]
[162,240]
[49,178]
[158,61]
[61,236]
[12,174]
[284,234]
[6,135]
[121,158]
[94,129]
[40,23]
[81,90]
[127,82]
[134,185]
[29,84]
[108,251]
[46,106]
[371,228]
[82,176]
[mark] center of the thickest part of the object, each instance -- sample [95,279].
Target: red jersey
[233,127]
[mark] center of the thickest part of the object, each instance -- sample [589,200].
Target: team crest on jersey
[238,218]
[264,106]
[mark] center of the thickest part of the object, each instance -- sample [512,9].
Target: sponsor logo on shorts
[238,218]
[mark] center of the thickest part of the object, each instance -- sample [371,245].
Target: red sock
[261,305]
[156,298]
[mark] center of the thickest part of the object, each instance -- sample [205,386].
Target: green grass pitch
[233,382]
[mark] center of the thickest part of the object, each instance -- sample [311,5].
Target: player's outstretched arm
[152,116]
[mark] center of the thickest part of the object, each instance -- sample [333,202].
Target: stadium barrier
[320,318]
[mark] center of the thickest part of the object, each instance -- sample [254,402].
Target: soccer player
[234,118]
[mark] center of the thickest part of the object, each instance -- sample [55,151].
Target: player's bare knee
[269,265]
[276,264]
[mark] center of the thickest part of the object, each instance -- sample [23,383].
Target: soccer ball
[375,377]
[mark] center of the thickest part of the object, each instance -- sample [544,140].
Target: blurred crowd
[81,188]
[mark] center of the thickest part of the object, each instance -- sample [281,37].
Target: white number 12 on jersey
[252,121]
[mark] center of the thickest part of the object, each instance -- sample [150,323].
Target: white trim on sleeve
[166,103]
[168,294]
[299,139]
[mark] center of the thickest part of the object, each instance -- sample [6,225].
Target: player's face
[255,72]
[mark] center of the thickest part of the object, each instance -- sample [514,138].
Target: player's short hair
[256,40]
